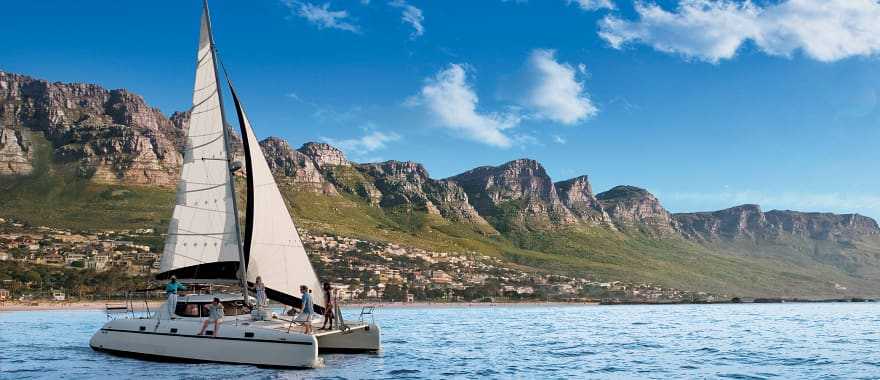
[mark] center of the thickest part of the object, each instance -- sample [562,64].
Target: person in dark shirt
[329,313]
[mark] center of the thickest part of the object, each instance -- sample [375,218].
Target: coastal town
[360,270]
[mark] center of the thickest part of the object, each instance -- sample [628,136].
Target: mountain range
[82,156]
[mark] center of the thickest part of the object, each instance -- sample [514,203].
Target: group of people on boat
[215,309]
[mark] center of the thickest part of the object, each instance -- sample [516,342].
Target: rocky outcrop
[292,167]
[632,207]
[16,153]
[400,184]
[111,136]
[407,184]
[514,195]
[577,195]
[750,223]
[822,226]
[324,154]
[745,221]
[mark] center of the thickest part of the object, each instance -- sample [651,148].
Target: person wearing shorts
[308,309]
[215,314]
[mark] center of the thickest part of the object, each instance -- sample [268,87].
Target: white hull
[361,338]
[237,344]
[262,343]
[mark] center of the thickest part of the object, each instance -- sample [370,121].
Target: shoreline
[154,304]
[101,305]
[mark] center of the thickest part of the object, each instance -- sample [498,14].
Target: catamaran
[204,245]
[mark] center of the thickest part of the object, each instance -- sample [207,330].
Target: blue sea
[736,341]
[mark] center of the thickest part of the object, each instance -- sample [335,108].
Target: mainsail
[203,239]
[272,246]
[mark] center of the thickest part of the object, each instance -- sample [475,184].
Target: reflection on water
[662,342]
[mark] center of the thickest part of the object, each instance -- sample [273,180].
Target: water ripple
[681,341]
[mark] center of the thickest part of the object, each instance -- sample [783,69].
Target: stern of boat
[358,338]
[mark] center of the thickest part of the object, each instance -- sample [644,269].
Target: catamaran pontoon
[204,244]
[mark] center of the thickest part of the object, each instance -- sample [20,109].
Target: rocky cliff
[293,167]
[632,207]
[577,195]
[516,194]
[113,136]
[748,222]
[108,135]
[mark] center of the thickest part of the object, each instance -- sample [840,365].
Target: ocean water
[740,341]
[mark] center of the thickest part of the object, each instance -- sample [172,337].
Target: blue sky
[708,104]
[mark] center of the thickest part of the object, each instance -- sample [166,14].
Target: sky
[707,104]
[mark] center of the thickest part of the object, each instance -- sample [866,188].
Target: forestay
[272,245]
[202,227]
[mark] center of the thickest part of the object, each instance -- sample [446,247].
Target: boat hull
[359,339]
[177,340]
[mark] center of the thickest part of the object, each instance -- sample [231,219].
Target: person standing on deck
[171,291]
[308,307]
[260,289]
[328,308]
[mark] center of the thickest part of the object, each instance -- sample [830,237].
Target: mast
[242,262]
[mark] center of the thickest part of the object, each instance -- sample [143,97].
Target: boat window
[185,309]
[191,309]
[235,308]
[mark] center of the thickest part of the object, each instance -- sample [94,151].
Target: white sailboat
[205,244]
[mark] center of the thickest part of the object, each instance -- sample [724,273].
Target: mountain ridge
[55,137]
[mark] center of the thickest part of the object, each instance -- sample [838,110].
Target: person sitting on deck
[307,309]
[171,291]
[329,315]
[215,313]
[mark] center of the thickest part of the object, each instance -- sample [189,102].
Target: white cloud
[825,202]
[322,16]
[825,30]
[450,98]
[411,15]
[370,142]
[559,139]
[557,94]
[592,5]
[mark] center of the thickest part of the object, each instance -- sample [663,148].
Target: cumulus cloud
[452,100]
[556,93]
[412,16]
[368,143]
[592,5]
[322,16]
[825,30]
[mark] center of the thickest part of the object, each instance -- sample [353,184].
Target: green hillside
[54,195]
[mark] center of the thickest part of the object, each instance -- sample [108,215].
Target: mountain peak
[324,154]
[630,206]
